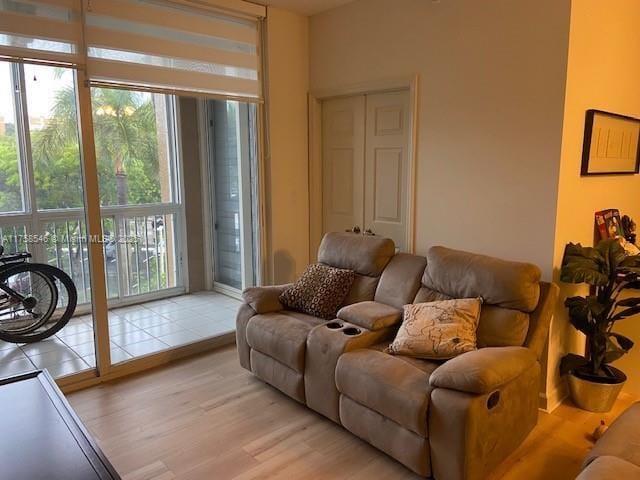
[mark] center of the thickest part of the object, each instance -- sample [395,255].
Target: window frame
[35,219]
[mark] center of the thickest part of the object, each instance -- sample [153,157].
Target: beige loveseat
[450,420]
[617,454]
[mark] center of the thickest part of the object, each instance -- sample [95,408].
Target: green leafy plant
[609,271]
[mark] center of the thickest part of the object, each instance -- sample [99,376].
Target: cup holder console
[334,325]
[352,331]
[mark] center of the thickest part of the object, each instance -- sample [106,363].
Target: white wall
[603,73]
[492,78]
[286,169]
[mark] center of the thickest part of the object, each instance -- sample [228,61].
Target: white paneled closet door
[366,164]
[387,166]
[343,127]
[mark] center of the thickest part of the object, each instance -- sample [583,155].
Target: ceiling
[305,7]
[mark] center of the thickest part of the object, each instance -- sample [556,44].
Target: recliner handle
[493,400]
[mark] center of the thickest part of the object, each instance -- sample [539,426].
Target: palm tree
[125,134]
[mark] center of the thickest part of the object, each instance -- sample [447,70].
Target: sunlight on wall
[603,73]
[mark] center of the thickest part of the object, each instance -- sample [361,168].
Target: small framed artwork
[611,144]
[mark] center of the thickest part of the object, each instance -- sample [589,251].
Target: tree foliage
[126,143]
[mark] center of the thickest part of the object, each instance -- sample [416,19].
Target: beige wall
[603,73]
[491,91]
[286,166]
[491,86]
[498,148]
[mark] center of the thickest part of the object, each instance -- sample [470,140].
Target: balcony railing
[140,246]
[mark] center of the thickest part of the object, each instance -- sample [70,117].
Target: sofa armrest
[484,370]
[370,315]
[265,299]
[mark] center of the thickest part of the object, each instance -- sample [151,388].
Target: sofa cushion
[622,439]
[364,254]
[400,280]
[460,274]
[497,327]
[282,336]
[363,289]
[394,386]
[319,291]
[502,327]
[425,294]
[609,468]
[438,330]
[370,315]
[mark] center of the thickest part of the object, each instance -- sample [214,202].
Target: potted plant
[593,383]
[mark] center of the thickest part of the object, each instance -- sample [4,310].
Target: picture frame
[611,144]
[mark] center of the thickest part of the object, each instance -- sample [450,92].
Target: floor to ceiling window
[42,206]
[91,177]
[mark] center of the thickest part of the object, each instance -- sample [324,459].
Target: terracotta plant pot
[596,396]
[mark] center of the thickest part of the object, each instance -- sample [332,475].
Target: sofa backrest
[400,280]
[366,255]
[506,284]
[510,291]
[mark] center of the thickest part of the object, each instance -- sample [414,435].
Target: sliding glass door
[90,169]
[138,173]
[42,206]
[232,170]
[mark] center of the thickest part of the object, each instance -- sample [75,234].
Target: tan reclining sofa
[616,456]
[450,420]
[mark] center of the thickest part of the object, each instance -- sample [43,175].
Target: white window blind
[48,30]
[157,44]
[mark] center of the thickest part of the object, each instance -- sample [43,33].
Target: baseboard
[550,400]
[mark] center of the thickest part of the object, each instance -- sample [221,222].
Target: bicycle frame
[11,292]
[6,262]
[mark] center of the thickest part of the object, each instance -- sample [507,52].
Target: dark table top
[41,438]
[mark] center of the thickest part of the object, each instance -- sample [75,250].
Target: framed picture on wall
[611,144]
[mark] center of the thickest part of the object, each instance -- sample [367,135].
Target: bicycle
[36,300]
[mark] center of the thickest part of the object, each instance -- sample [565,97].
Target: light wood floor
[207,418]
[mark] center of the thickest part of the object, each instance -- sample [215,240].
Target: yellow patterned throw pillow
[438,330]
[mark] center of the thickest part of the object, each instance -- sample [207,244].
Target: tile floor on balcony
[135,331]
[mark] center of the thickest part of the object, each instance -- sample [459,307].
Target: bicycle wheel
[60,305]
[28,298]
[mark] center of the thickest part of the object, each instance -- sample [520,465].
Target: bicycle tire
[50,310]
[55,274]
